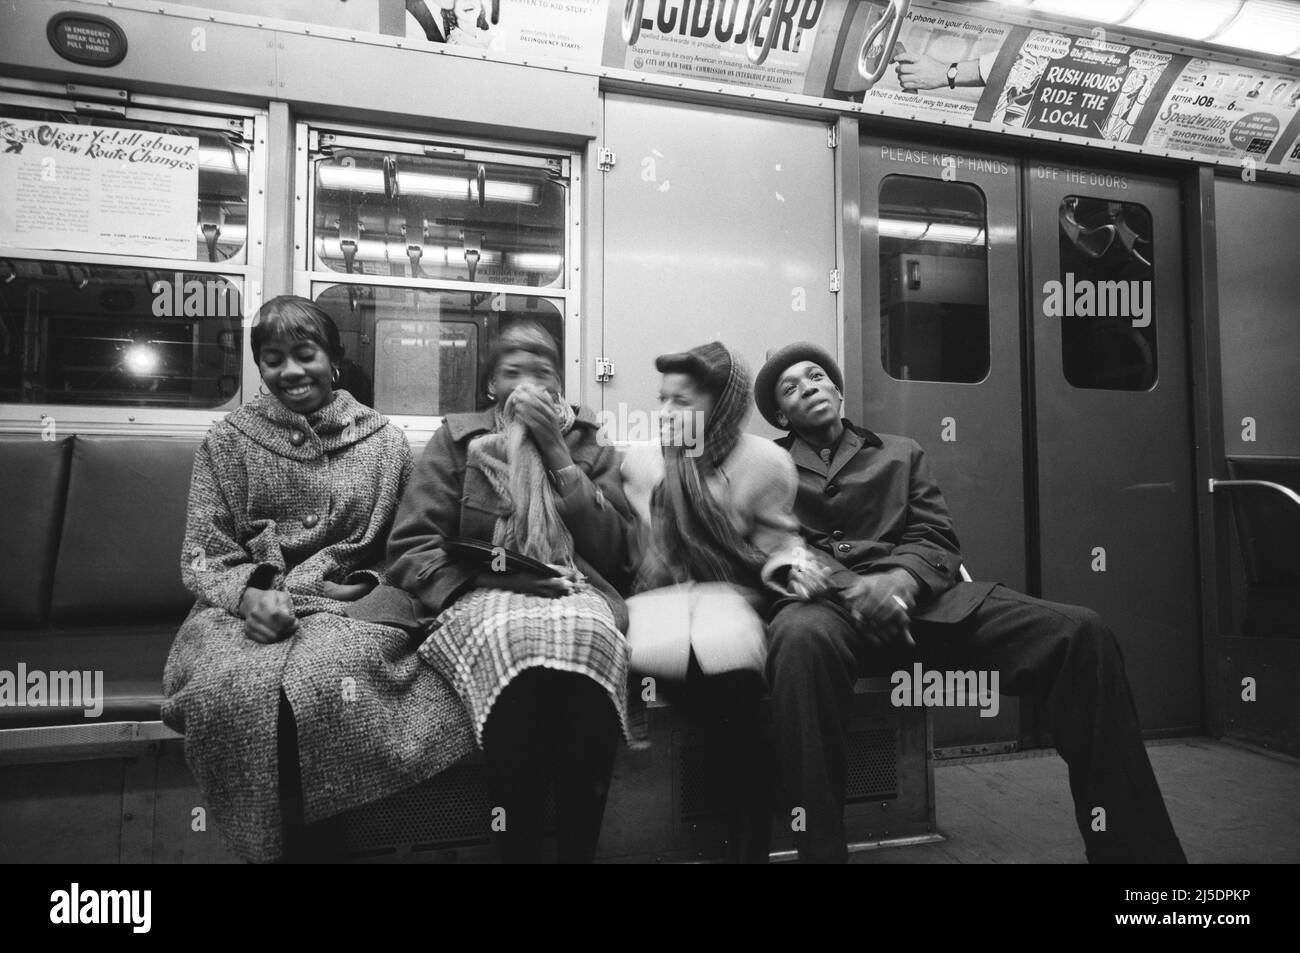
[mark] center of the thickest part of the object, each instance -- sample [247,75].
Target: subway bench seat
[93,528]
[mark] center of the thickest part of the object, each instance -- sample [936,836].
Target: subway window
[1107,294]
[934,303]
[438,217]
[124,256]
[418,352]
[106,335]
[423,253]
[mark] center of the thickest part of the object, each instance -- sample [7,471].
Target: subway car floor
[1229,804]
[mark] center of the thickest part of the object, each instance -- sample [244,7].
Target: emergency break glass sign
[90,188]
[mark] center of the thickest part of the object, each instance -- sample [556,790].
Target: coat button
[297,437]
[844,547]
[310,520]
[838,534]
[832,489]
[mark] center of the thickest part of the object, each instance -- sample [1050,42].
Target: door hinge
[835,280]
[604,370]
[99,94]
[605,159]
[833,135]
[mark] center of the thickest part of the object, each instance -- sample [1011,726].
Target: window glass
[221,209]
[934,311]
[1106,297]
[439,218]
[100,334]
[421,352]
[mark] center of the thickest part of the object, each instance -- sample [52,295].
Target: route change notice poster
[87,188]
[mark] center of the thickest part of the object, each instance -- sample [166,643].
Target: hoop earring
[334,376]
[261,390]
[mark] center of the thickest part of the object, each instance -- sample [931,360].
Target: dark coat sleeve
[928,547]
[593,507]
[430,511]
[375,573]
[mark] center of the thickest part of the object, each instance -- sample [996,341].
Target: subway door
[718,226]
[1114,446]
[941,360]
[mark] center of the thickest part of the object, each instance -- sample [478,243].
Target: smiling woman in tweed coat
[292,711]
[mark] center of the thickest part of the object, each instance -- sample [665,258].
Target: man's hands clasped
[882,604]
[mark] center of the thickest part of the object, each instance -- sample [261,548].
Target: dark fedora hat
[776,364]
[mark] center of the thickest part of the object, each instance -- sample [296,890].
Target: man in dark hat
[879,527]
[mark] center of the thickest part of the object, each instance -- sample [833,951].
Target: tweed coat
[279,500]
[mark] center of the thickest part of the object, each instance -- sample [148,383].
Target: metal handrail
[632,10]
[891,19]
[758,54]
[1286,491]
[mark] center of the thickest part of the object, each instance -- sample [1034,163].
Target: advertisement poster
[706,41]
[1288,154]
[1222,112]
[565,30]
[83,188]
[916,82]
[1078,86]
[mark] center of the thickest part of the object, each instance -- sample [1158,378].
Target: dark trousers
[1063,655]
[549,726]
[726,711]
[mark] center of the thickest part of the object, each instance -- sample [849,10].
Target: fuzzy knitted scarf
[510,460]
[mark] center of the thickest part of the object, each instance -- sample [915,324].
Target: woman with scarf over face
[292,710]
[715,510]
[541,663]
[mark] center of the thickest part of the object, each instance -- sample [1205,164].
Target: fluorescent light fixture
[230,234]
[536,261]
[954,234]
[453,186]
[1189,19]
[348,178]
[931,232]
[354,179]
[376,250]
[1263,26]
[233,162]
[900,228]
[1101,11]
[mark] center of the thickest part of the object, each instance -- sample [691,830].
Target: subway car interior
[1051,242]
